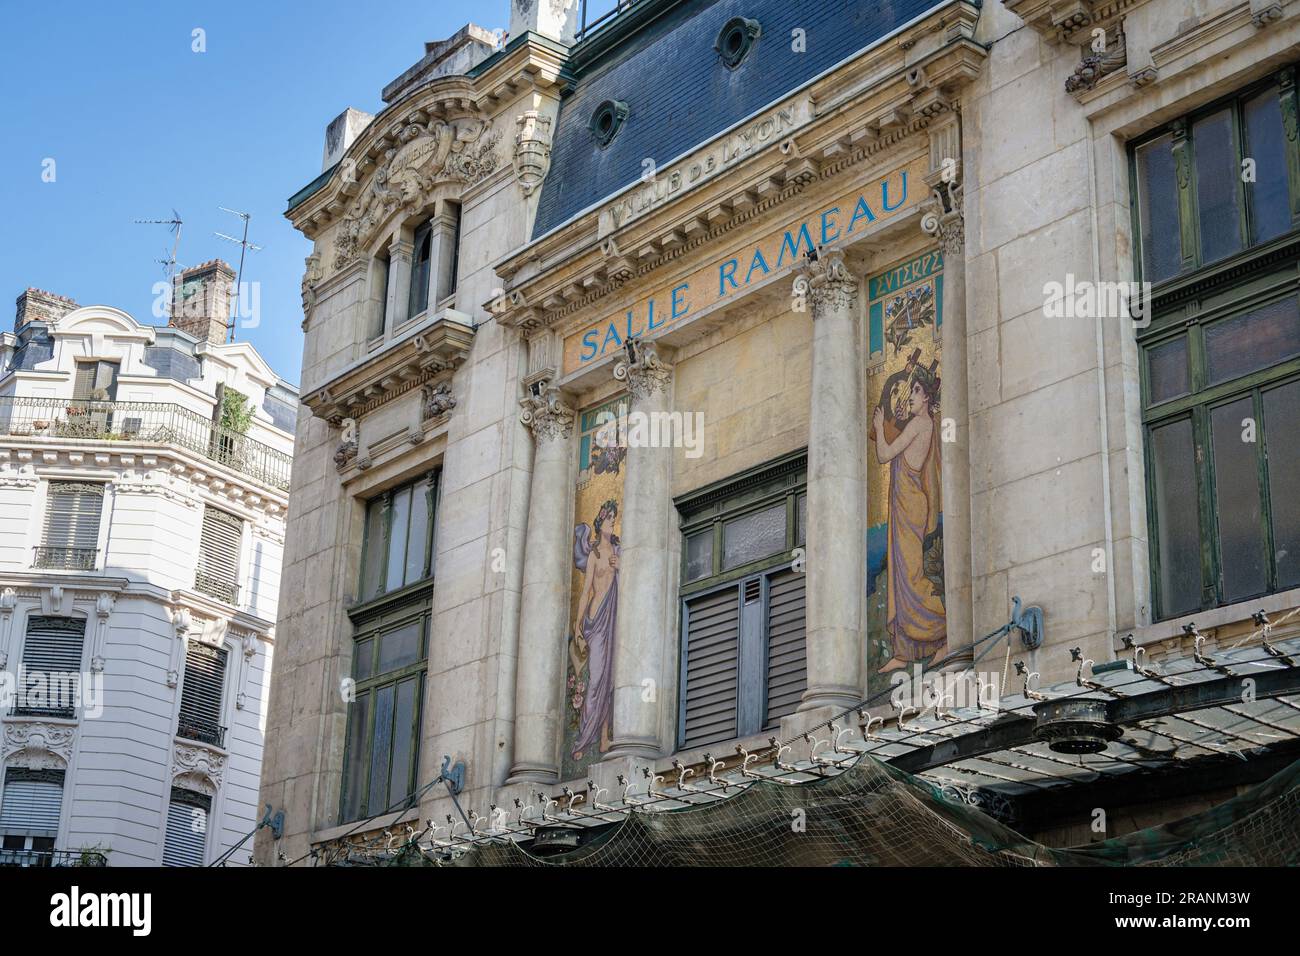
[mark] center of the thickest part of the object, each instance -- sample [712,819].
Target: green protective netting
[872,814]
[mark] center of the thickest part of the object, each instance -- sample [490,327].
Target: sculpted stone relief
[426,154]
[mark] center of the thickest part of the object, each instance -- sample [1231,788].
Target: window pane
[1167,370]
[354,773]
[752,537]
[404,736]
[699,555]
[1177,518]
[1217,175]
[363,659]
[401,518]
[1282,437]
[1236,488]
[801,520]
[1247,343]
[372,558]
[399,647]
[1270,206]
[418,300]
[1158,210]
[380,751]
[418,545]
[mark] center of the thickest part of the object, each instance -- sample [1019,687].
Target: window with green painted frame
[1216,211]
[743,658]
[397,549]
[382,748]
[1219,182]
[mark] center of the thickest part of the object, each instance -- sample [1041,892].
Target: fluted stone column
[642,625]
[544,600]
[954,455]
[836,538]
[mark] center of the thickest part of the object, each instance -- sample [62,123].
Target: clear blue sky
[139,124]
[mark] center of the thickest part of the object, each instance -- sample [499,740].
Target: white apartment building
[144,476]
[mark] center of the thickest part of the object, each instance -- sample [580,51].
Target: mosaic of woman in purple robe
[596,553]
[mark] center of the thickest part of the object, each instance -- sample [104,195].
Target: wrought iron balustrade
[52,858]
[159,423]
[64,559]
[202,729]
[216,587]
[591,20]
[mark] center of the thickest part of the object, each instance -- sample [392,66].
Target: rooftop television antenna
[174,226]
[244,246]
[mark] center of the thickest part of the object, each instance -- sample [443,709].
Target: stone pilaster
[397,308]
[836,539]
[642,626]
[544,600]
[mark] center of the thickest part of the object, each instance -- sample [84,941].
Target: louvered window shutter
[787,657]
[53,647]
[83,384]
[187,829]
[202,692]
[712,667]
[31,802]
[219,545]
[72,513]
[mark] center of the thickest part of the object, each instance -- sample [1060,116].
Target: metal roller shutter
[712,667]
[53,644]
[187,829]
[219,545]
[31,802]
[203,686]
[787,657]
[72,514]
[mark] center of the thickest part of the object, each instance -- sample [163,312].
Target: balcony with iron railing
[201,729]
[61,558]
[216,587]
[157,423]
[52,858]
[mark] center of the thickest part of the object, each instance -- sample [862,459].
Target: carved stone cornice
[1061,21]
[438,347]
[827,281]
[42,744]
[547,414]
[647,374]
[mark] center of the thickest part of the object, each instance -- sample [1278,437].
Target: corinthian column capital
[646,373]
[547,414]
[828,282]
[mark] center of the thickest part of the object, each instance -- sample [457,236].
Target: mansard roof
[679,93]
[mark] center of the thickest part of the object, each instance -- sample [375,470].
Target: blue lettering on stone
[884,194]
[589,345]
[758,263]
[862,210]
[611,334]
[793,244]
[825,236]
[679,307]
[727,273]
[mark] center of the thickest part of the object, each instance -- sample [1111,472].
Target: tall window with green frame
[1216,208]
[397,550]
[382,749]
[743,658]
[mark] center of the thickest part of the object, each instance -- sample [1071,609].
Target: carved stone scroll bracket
[197,768]
[8,602]
[103,610]
[944,220]
[532,156]
[38,744]
[181,622]
[827,281]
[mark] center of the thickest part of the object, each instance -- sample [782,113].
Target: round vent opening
[1075,726]
[736,40]
[606,120]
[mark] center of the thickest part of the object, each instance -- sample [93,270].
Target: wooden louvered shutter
[72,512]
[31,802]
[202,692]
[219,546]
[187,829]
[83,384]
[787,658]
[712,668]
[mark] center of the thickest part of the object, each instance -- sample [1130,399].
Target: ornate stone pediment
[424,156]
[197,768]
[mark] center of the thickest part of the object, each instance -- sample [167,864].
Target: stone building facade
[686,380]
[144,477]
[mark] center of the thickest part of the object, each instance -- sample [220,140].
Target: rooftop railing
[158,423]
[598,14]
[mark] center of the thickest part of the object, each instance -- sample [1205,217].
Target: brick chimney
[201,301]
[37,305]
